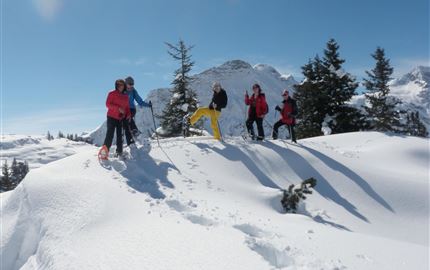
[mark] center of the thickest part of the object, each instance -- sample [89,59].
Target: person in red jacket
[118,116]
[288,116]
[257,110]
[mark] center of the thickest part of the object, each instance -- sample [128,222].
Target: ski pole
[155,127]
[273,128]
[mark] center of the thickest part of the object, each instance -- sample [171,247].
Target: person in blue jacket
[133,96]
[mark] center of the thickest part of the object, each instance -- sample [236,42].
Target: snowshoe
[103,153]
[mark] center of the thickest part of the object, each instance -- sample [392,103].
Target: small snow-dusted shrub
[295,193]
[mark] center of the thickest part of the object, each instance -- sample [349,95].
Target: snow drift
[200,204]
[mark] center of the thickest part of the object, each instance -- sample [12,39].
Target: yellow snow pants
[210,113]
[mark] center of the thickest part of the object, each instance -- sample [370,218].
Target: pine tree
[414,126]
[15,173]
[60,135]
[6,182]
[322,97]
[292,196]
[381,109]
[49,137]
[184,99]
[310,100]
[339,87]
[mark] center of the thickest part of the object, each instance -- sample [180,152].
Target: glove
[150,104]
[278,108]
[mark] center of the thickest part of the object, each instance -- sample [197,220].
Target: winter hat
[285,93]
[129,80]
[216,85]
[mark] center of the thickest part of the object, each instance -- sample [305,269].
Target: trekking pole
[155,127]
[273,128]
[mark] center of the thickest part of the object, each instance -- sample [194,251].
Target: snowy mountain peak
[289,79]
[419,75]
[267,68]
[235,65]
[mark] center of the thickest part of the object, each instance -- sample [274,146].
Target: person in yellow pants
[219,101]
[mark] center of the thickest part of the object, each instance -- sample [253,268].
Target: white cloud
[48,9]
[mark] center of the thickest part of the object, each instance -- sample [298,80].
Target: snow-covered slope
[235,76]
[37,150]
[200,204]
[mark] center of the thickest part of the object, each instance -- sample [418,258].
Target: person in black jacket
[288,111]
[219,102]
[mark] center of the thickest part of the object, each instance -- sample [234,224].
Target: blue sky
[61,57]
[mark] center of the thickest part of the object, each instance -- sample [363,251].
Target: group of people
[122,109]
[258,108]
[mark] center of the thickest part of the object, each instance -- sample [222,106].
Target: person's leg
[118,127]
[276,129]
[292,133]
[110,132]
[260,128]
[200,112]
[250,126]
[133,126]
[128,136]
[214,123]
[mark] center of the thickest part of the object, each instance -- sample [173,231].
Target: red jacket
[289,111]
[114,102]
[260,104]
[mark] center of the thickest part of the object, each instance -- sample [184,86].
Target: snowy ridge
[235,76]
[197,203]
[37,150]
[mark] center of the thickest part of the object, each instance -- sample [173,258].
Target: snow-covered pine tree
[184,99]
[295,193]
[339,87]
[414,126]
[6,182]
[381,108]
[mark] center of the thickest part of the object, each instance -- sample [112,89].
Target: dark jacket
[289,111]
[220,99]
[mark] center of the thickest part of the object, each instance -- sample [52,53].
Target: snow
[37,150]
[197,203]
